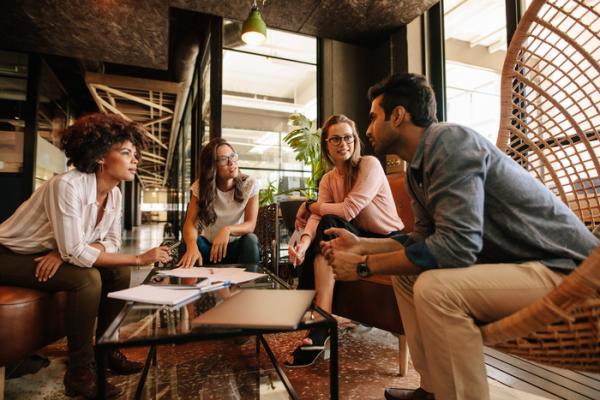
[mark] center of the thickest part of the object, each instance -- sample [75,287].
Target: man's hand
[47,265]
[343,264]
[345,240]
[218,251]
[190,257]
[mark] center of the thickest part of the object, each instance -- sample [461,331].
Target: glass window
[13,93]
[262,86]
[475,52]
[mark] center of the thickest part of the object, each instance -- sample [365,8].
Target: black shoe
[407,394]
[307,354]
[119,364]
[81,381]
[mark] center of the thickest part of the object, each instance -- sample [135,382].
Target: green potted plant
[305,140]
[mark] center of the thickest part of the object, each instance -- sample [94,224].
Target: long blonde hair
[351,165]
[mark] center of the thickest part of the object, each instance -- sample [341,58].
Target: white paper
[155,295]
[232,275]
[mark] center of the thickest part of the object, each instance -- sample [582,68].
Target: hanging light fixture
[254,29]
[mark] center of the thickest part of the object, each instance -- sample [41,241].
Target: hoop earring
[101,167]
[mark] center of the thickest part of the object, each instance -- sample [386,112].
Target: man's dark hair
[410,91]
[91,137]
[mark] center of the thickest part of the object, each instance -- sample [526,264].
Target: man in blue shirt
[489,239]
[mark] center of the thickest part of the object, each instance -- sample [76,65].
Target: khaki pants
[86,297]
[439,309]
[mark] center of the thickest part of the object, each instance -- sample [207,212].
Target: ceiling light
[254,29]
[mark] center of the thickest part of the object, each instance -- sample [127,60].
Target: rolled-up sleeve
[65,205]
[457,168]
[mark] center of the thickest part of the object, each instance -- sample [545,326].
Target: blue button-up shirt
[473,204]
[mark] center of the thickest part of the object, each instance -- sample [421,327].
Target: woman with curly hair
[67,237]
[354,195]
[225,204]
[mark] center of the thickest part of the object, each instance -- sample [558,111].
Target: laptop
[259,309]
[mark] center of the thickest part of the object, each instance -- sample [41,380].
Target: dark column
[216,75]
[128,209]
[437,58]
[137,203]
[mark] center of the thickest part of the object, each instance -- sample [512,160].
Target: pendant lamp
[254,29]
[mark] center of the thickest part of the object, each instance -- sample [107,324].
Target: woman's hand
[190,257]
[301,217]
[296,253]
[344,240]
[161,254]
[47,265]
[218,251]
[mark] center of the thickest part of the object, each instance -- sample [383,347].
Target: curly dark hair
[411,91]
[91,137]
[208,182]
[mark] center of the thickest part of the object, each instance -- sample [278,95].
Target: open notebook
[261,309]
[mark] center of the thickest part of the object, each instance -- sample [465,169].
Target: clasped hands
[343,254]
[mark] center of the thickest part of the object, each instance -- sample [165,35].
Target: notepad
[156,295]
[260,309]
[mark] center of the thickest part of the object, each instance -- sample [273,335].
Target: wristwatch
[308,203]
[362,269]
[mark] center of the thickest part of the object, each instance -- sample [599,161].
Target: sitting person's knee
[429,287]
[329,221]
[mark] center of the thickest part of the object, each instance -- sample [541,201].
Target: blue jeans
[244,250]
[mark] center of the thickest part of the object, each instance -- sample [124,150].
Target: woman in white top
[225,204]
[67,237]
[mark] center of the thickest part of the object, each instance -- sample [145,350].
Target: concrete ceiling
[345,20]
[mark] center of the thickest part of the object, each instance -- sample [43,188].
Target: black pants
[306,270]
[86,297]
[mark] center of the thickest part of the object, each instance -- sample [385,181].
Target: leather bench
[29,320]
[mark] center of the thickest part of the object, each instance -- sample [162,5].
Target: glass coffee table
[141,325]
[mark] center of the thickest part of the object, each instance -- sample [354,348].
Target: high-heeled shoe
[307,354]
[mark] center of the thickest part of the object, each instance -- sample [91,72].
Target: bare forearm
[242,229]
[116,260]
[379,245]
[392,263]
[190,236]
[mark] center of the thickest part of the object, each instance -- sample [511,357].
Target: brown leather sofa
[371,301]
[29,320]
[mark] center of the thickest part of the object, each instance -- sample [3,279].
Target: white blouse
[61,214]
[228,211]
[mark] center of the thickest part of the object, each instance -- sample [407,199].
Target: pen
[215,286]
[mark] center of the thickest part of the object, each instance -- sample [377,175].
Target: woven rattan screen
[550,111]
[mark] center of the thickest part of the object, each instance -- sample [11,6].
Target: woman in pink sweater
[354,195]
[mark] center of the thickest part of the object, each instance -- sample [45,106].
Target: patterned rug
[227,369]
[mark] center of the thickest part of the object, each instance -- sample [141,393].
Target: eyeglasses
[224,160]
[337,140]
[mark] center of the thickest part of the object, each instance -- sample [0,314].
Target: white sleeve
[64,204]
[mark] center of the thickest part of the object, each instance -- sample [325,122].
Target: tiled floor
[227,369]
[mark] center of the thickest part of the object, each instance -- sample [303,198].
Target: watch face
[363,270]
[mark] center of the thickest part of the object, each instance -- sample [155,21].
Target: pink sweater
[370,203]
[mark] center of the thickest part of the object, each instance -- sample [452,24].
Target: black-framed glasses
[224,160]
[337,140]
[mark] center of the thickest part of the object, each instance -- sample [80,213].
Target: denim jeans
[244,250]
